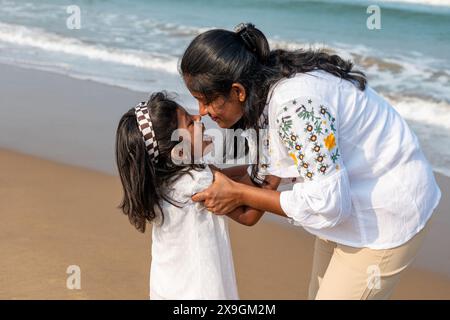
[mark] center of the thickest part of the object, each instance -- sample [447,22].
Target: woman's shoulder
[315,83]
[304,89]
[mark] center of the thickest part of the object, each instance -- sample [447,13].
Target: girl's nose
[197,117]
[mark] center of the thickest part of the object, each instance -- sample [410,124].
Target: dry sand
[56,215]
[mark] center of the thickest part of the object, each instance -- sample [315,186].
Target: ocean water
[137,44]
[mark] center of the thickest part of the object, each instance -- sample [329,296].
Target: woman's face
[224,111]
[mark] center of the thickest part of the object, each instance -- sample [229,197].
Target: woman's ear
[239,91]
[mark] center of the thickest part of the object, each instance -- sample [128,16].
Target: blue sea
[137,44]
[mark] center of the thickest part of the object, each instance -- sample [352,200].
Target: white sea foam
[431,123]
[400,73]
[419,5]
[38,38]
[445,3]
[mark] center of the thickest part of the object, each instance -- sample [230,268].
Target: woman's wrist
[258,198]
[240,190]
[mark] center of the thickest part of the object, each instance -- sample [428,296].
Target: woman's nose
[197,117]
[202,109]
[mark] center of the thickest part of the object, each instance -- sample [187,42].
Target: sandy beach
[58,207]
[56,215]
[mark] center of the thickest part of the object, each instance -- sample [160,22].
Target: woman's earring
[178,156]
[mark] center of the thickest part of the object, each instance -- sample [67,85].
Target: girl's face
[193,124]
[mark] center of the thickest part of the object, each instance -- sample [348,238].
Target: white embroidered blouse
[365,181]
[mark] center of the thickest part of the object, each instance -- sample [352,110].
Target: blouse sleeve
[307,129]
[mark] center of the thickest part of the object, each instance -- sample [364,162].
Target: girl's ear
[238,91]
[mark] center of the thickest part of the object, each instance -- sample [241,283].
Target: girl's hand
[222,196]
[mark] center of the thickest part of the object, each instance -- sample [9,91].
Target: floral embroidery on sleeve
[308,130]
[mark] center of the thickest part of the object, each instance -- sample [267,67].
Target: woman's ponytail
[254,40]
[288,63]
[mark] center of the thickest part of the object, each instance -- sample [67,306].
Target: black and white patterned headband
[146,128]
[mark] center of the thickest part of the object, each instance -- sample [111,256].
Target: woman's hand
[222,196]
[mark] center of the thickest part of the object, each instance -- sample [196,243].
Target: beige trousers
[343,272]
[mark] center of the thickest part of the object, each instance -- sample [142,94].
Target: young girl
[191,253]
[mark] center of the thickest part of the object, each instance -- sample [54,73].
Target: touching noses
[197,117]
[202,109]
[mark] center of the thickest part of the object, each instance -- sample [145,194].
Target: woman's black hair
[145,182]
[217,58]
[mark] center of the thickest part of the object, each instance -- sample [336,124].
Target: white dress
[366,182]
[191,251]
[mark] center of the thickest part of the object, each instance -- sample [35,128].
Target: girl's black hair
[145,182]
[217,58]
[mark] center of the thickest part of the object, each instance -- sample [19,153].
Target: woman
[365,189]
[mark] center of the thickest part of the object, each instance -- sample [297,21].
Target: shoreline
[59,215]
